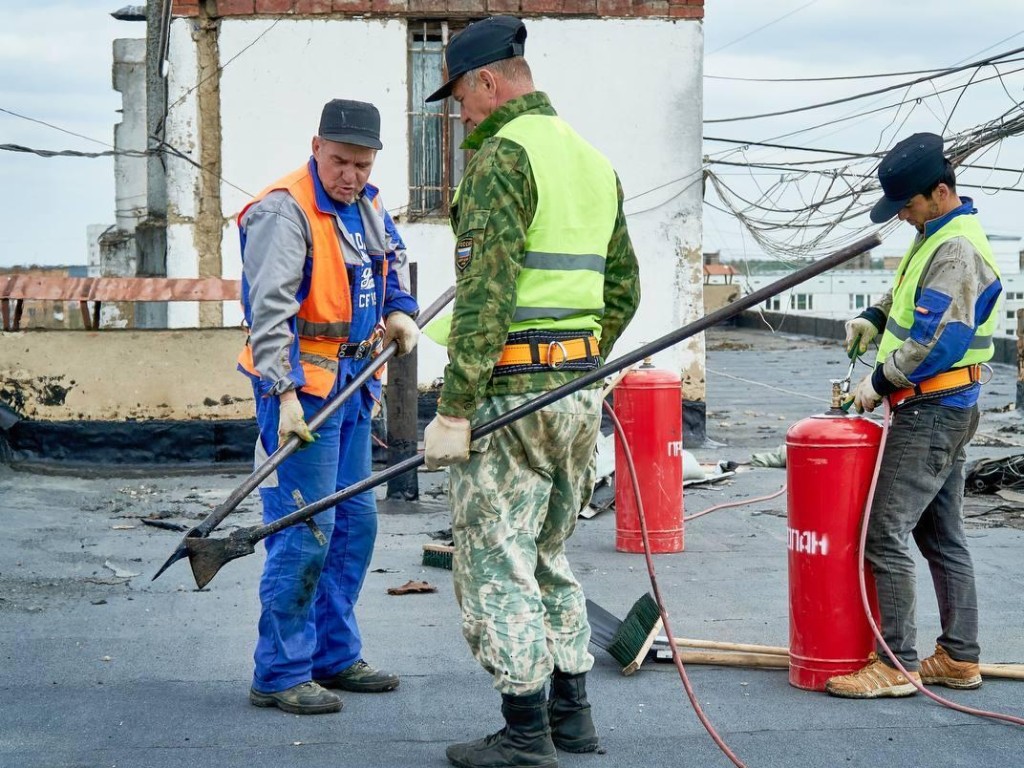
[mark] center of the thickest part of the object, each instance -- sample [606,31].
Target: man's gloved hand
[401,328]
[864,396]
[291,420]
[859,331]
[446,441]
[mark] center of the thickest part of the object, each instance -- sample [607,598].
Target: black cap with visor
[481,43]
[910,168]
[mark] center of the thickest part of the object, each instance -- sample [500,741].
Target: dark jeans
[920,490]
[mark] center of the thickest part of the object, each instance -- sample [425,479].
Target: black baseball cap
[908,169]
[351,122]
[482,42]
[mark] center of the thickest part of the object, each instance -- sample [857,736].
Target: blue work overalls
[307,626]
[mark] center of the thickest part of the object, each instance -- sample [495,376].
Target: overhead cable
[876,92]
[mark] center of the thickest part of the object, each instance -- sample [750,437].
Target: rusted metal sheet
[118,288]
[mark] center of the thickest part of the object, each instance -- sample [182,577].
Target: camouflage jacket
[498,189]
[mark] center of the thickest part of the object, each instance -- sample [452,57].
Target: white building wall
[832,294]
[646,119]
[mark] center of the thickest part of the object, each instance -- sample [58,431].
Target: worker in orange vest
[324,282]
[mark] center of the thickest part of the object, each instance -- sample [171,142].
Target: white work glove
[290,419]
[859,331]
[401,328]
[446,441]
[864,396]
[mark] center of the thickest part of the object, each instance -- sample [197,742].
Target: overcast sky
[55,60]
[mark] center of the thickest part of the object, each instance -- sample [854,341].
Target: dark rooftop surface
[103,667]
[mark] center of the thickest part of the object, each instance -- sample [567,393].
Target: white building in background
[842,294]
[246,80]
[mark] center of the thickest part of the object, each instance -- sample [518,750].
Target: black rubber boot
[572,727]
[524,742]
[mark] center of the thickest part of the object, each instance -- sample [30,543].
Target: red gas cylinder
[829,463]
[649,405]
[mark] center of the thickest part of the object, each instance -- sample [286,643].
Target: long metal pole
[590,377]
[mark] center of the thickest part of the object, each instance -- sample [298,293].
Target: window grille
[435,134]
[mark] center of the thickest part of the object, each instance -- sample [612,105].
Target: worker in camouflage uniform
[546,281]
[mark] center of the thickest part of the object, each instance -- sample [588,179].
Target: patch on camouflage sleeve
[463,253]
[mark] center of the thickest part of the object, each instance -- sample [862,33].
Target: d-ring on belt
[958,378]
[356,350]
[546,351]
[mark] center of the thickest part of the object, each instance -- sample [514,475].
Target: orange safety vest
[325,315]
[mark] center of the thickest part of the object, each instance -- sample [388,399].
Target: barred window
[435,161]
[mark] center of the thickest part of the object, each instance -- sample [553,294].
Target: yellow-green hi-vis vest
[561,284]
[904,291]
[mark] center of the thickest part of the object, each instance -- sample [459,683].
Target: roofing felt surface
[101,667]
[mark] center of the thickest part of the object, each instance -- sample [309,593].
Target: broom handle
[760,660]
[759,653]
[1006,671]
[772,650]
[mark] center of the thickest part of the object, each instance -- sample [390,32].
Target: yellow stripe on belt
[553,354]
[954,379]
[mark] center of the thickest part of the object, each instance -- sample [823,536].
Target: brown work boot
[303,699]
[874,681]
[360,677]
[941,669]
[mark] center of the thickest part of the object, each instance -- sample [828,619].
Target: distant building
[844,293]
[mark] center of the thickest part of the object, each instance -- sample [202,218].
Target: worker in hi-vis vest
[934,329]
[324,283]
[546,280]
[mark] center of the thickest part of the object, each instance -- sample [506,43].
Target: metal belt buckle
[363,349]
[565,355]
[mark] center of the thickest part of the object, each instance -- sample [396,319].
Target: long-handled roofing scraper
[250,483]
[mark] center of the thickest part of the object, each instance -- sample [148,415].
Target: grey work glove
[291,420]
[401,328]
[859,331]
[446,441]
[864,396]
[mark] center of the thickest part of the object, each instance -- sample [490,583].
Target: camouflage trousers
[514,504]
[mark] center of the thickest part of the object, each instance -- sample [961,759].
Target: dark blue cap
[351,122]
[909,169]
[482,42]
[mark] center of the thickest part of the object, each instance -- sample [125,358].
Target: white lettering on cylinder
[807,542]
[675,448]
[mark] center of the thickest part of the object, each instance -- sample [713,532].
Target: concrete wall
[124,375]
[646,117]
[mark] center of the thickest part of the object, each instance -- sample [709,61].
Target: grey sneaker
[303,699]
[360,677]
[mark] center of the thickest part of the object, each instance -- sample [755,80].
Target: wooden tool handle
[745,654]
[1006,671]
[760,660]
[688,642]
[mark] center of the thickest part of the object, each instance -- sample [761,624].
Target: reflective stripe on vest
[905,284]
[561,284]
[326,312]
